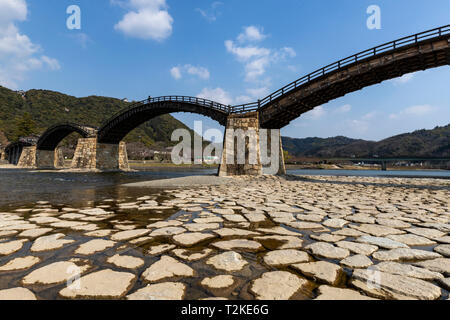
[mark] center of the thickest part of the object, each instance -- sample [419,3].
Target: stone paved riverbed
[255,238]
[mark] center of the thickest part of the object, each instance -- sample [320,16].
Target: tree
[286,156]
[24,126]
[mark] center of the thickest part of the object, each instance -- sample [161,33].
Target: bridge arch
[117,127]
[425,50]
[14,150]
[50,139]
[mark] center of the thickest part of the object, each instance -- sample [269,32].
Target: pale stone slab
[160,291]
[129,234]
[57,272]
[20,263]
[34,233]
[441,265]
[357,261]
[155,250]
[407,270]
[335,223]
[403,254]
[232,232]
[443,249]
[165,224]
[94,246]
[402,285]
[218,282]
[168,231]
[358,248]
[192,255]
[191,238]
[285,257]
[104,284]
[127,262]
[332,293]
[393,223]
[412,240]
[255,217]
[427,232]
[348,232]
[167,267]
[228,261]
[279,231]
[321,271]
[276,285]
[196,227]
[327,237]
[51,242]
[242,244]
[17,294]
[382,242]
[377,230]
[327,250]
[11,246]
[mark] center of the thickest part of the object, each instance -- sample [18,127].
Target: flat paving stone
[7,248]
[104,284]
[332,293]
[426,232]
[57,272]
[382,242]
[160,291]
[167,267]
[129,234]
[327,250]
[402,254]
[335,223]
[17,294]
[127,262]
[20,263]
[377,230]
[242,244]
[327,237]
[407,270]
[358,248]
[321,271]
[94,246]
[228,261]
[192,255]
[357,261]
[34,233]
[398,284]
[218,282]
[190,239]
[285,257]
[443,249]
[276,285]
[441,265]
[156,250]
[412,240]
[51,242]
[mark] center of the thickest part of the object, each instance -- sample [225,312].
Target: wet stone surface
[258,238]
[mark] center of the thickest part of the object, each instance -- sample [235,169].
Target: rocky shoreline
[241,238]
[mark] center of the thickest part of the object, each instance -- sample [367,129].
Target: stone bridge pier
[91,155]
[250,150]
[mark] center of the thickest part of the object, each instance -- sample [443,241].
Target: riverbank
[309,237]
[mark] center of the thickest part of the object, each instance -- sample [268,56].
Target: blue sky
[230,51]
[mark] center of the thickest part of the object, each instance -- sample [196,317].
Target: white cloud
[344,109]
[369,115]
[176,73]
[212,13]
[414,111]
[316,113]
[256,59]
[149,19]
[201,72]
[252,95]
[217,95]
[82,38]
[359,126]
[251,33]
[404,79]
[18,54]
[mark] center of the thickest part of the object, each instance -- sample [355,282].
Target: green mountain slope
[48,108]
[421,143]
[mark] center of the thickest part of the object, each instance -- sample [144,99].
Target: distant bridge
[425,50]
[385,161]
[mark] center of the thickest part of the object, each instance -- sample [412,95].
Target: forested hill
[22,113]
[421,143]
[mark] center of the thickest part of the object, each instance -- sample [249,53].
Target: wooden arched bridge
[425,50]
